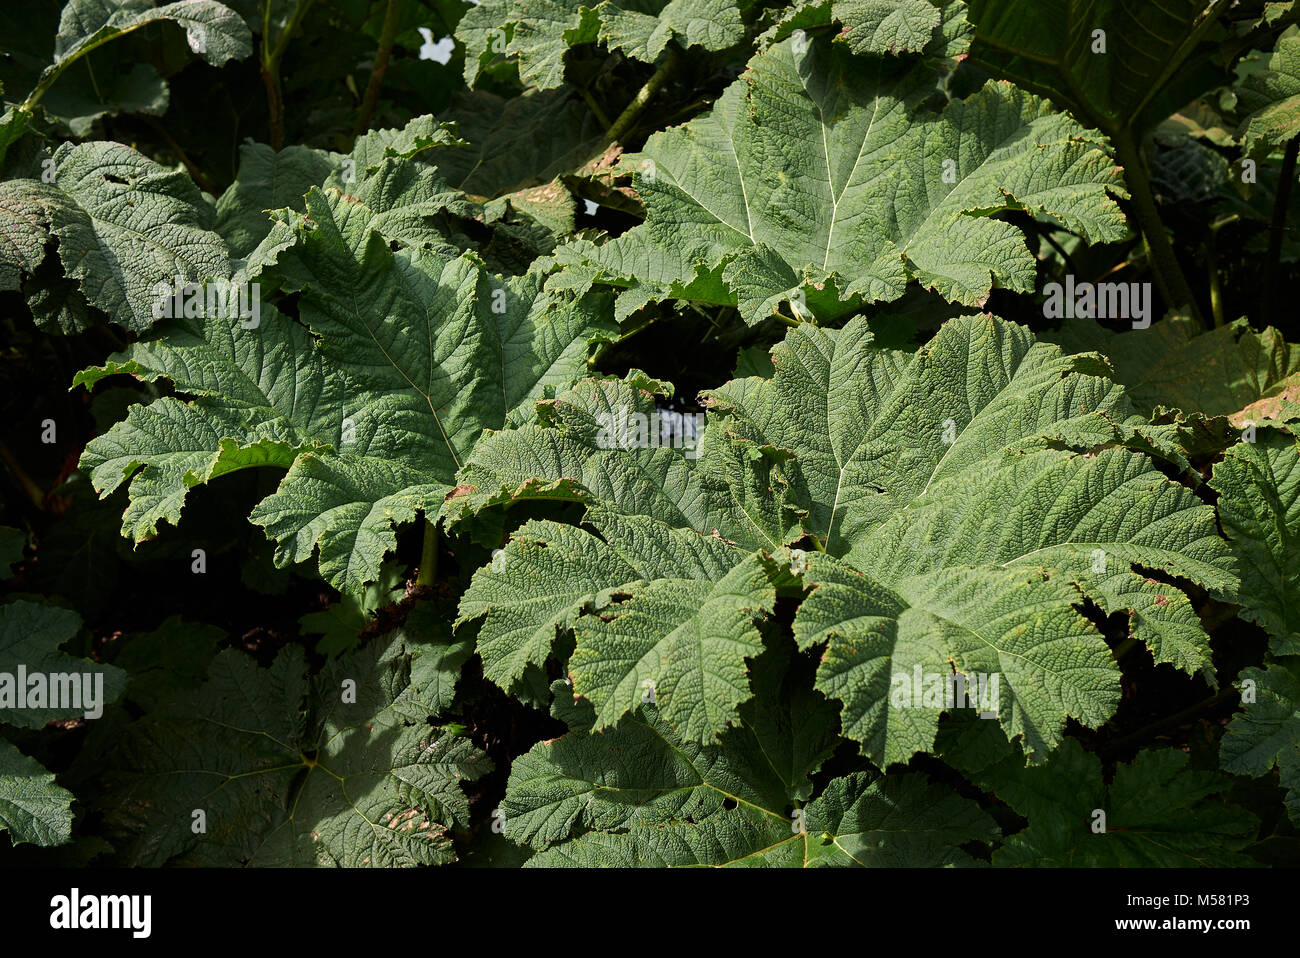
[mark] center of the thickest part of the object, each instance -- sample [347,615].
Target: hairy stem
[1160,252]
[595,109]
[1277,231]
[282,43]
[196,174]
[1126,264]
[428,556]
[274,106]
[387,34]
[1069,260]
[271,57]
[623,124]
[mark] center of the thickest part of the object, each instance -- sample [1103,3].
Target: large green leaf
[816,179]
[412,202]
[937,28]
[688,637]
[32,807]
[858,821]
[270,180]
[891,26]
[1158,812]
[215,32]
[1259,506]
[1225,372]
[520,148]
[418,351]
[114,82]
[642,794]
[640,772]
[660,581]
[929,474]
[30,636]
[267,180]
[518,143]
[662,614]
[957,532]
[1021,627]
[340,768]
[123,224]
[1272,97]
[540,32]
[1105,59]
[1267,733]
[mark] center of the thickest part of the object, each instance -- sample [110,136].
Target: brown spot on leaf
[464,489]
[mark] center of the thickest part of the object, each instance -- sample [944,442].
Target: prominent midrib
[740,176]
[401,372]
[835,199]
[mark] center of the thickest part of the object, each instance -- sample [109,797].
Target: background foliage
[368,584]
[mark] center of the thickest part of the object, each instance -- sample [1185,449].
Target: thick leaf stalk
[1164,261]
